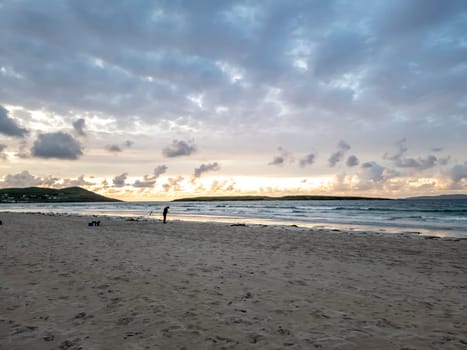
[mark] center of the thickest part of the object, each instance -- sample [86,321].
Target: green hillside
[50,195]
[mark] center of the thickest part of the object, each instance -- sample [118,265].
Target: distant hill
[444,196]
[50,195]
[267,198]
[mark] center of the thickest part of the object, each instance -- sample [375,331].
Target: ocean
[437,217]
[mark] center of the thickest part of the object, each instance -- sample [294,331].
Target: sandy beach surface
[184,285]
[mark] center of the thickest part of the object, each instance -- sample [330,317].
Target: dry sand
[184,285]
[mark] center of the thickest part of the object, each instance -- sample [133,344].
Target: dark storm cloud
[336,157]
[178,149]
[204,168]
[58,145]
[8,125]
[79,126]
[309,159]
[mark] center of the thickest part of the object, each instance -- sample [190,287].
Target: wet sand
[186,285]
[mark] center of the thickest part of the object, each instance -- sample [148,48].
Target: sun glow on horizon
[169,188]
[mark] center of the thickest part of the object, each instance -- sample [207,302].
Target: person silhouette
[164,213]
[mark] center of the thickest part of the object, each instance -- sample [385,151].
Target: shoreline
[444,219]
[357,229]
[186,285]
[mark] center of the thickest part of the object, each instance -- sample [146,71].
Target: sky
[156,100]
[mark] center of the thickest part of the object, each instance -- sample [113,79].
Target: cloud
[150,180]
[352,161]
[222,186]
[159,170]
[204,168]
[23,151]
[282,158]
[372,176]
[458,172]
[386,68]
[444,160]
[236,62]
[119,180]
[406,18]
[23,179]
[173,184]
[8,126]
[113,148]
[58,145]
[2,148]
[341,51]
[80,182]
[146,183]
[401,161]
[372,171]
[336,157]
[307,160]
[79,126]
[178,149]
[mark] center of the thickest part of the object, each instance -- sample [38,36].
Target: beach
[140,284]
